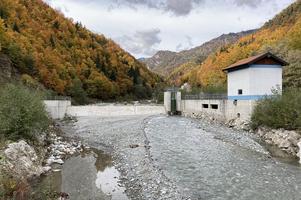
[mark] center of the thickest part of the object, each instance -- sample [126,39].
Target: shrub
[279,111]
[22,112]
[78,94]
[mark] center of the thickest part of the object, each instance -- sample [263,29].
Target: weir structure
[58,109]
[248,81]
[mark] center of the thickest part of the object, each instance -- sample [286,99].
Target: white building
[248,81]
[254,77]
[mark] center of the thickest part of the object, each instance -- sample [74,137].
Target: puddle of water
[280,155]
[90,175]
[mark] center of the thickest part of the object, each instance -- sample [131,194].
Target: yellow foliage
[44,44]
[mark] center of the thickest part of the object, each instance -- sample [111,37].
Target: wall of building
[255,81]
[264,78]
[239,79]
[57,108]
[167,101]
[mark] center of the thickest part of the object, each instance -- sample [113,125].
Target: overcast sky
[143,27]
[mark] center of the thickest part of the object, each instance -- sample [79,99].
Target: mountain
[165,62]
[281,36]
[47,48]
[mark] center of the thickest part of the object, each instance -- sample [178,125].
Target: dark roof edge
[268,54]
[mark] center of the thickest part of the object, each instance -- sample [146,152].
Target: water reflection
[90,175]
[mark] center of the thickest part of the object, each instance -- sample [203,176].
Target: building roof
[251,60]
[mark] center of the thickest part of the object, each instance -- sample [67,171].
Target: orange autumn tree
[57,52]
[280,35]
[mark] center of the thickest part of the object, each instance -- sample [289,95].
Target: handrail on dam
[201,96]
[58,98]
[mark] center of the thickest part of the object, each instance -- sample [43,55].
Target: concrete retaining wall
[213,108]
[57,108]
[223,110]
[241,108]
[114,110]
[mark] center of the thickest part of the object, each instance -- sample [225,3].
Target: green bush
[22,112]
[279,111]
[78,94]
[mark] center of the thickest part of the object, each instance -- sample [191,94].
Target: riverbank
[287,141]
[23,162]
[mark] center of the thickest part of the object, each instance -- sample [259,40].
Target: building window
[214,106]
[205,106]
[240,91]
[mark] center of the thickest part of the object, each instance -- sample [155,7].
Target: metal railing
[203,96]
[58,98]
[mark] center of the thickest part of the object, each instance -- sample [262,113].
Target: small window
[240,91]
[205,106]
[214,106]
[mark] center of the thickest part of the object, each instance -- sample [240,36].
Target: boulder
[22,159]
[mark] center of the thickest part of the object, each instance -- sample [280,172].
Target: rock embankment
[23,161]
[288,141]
[60,149]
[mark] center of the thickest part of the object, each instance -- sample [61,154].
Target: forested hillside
[281,35]
[176,63]
[45,47]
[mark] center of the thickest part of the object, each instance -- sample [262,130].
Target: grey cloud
[142,42]
[61,9]
[177,7]
[250,3]
[186,45]
[184,7]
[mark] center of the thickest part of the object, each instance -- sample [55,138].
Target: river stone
[22,160]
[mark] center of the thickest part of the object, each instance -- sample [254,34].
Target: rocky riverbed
[162,157]
[22,162]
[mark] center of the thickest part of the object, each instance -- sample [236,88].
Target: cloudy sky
[143,27]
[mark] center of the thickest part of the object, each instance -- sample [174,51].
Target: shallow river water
[208,168]
[174,158]
[90,175]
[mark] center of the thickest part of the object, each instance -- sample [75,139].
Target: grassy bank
[22,116]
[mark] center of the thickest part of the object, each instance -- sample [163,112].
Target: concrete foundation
[57,108]
[211,108]
[223,110]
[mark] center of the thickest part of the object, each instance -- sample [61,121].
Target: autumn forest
[45,47]
[58,54]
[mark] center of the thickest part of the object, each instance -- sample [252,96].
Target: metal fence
[203,96]
[58,98]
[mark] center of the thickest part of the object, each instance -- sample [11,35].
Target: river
[160,157]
